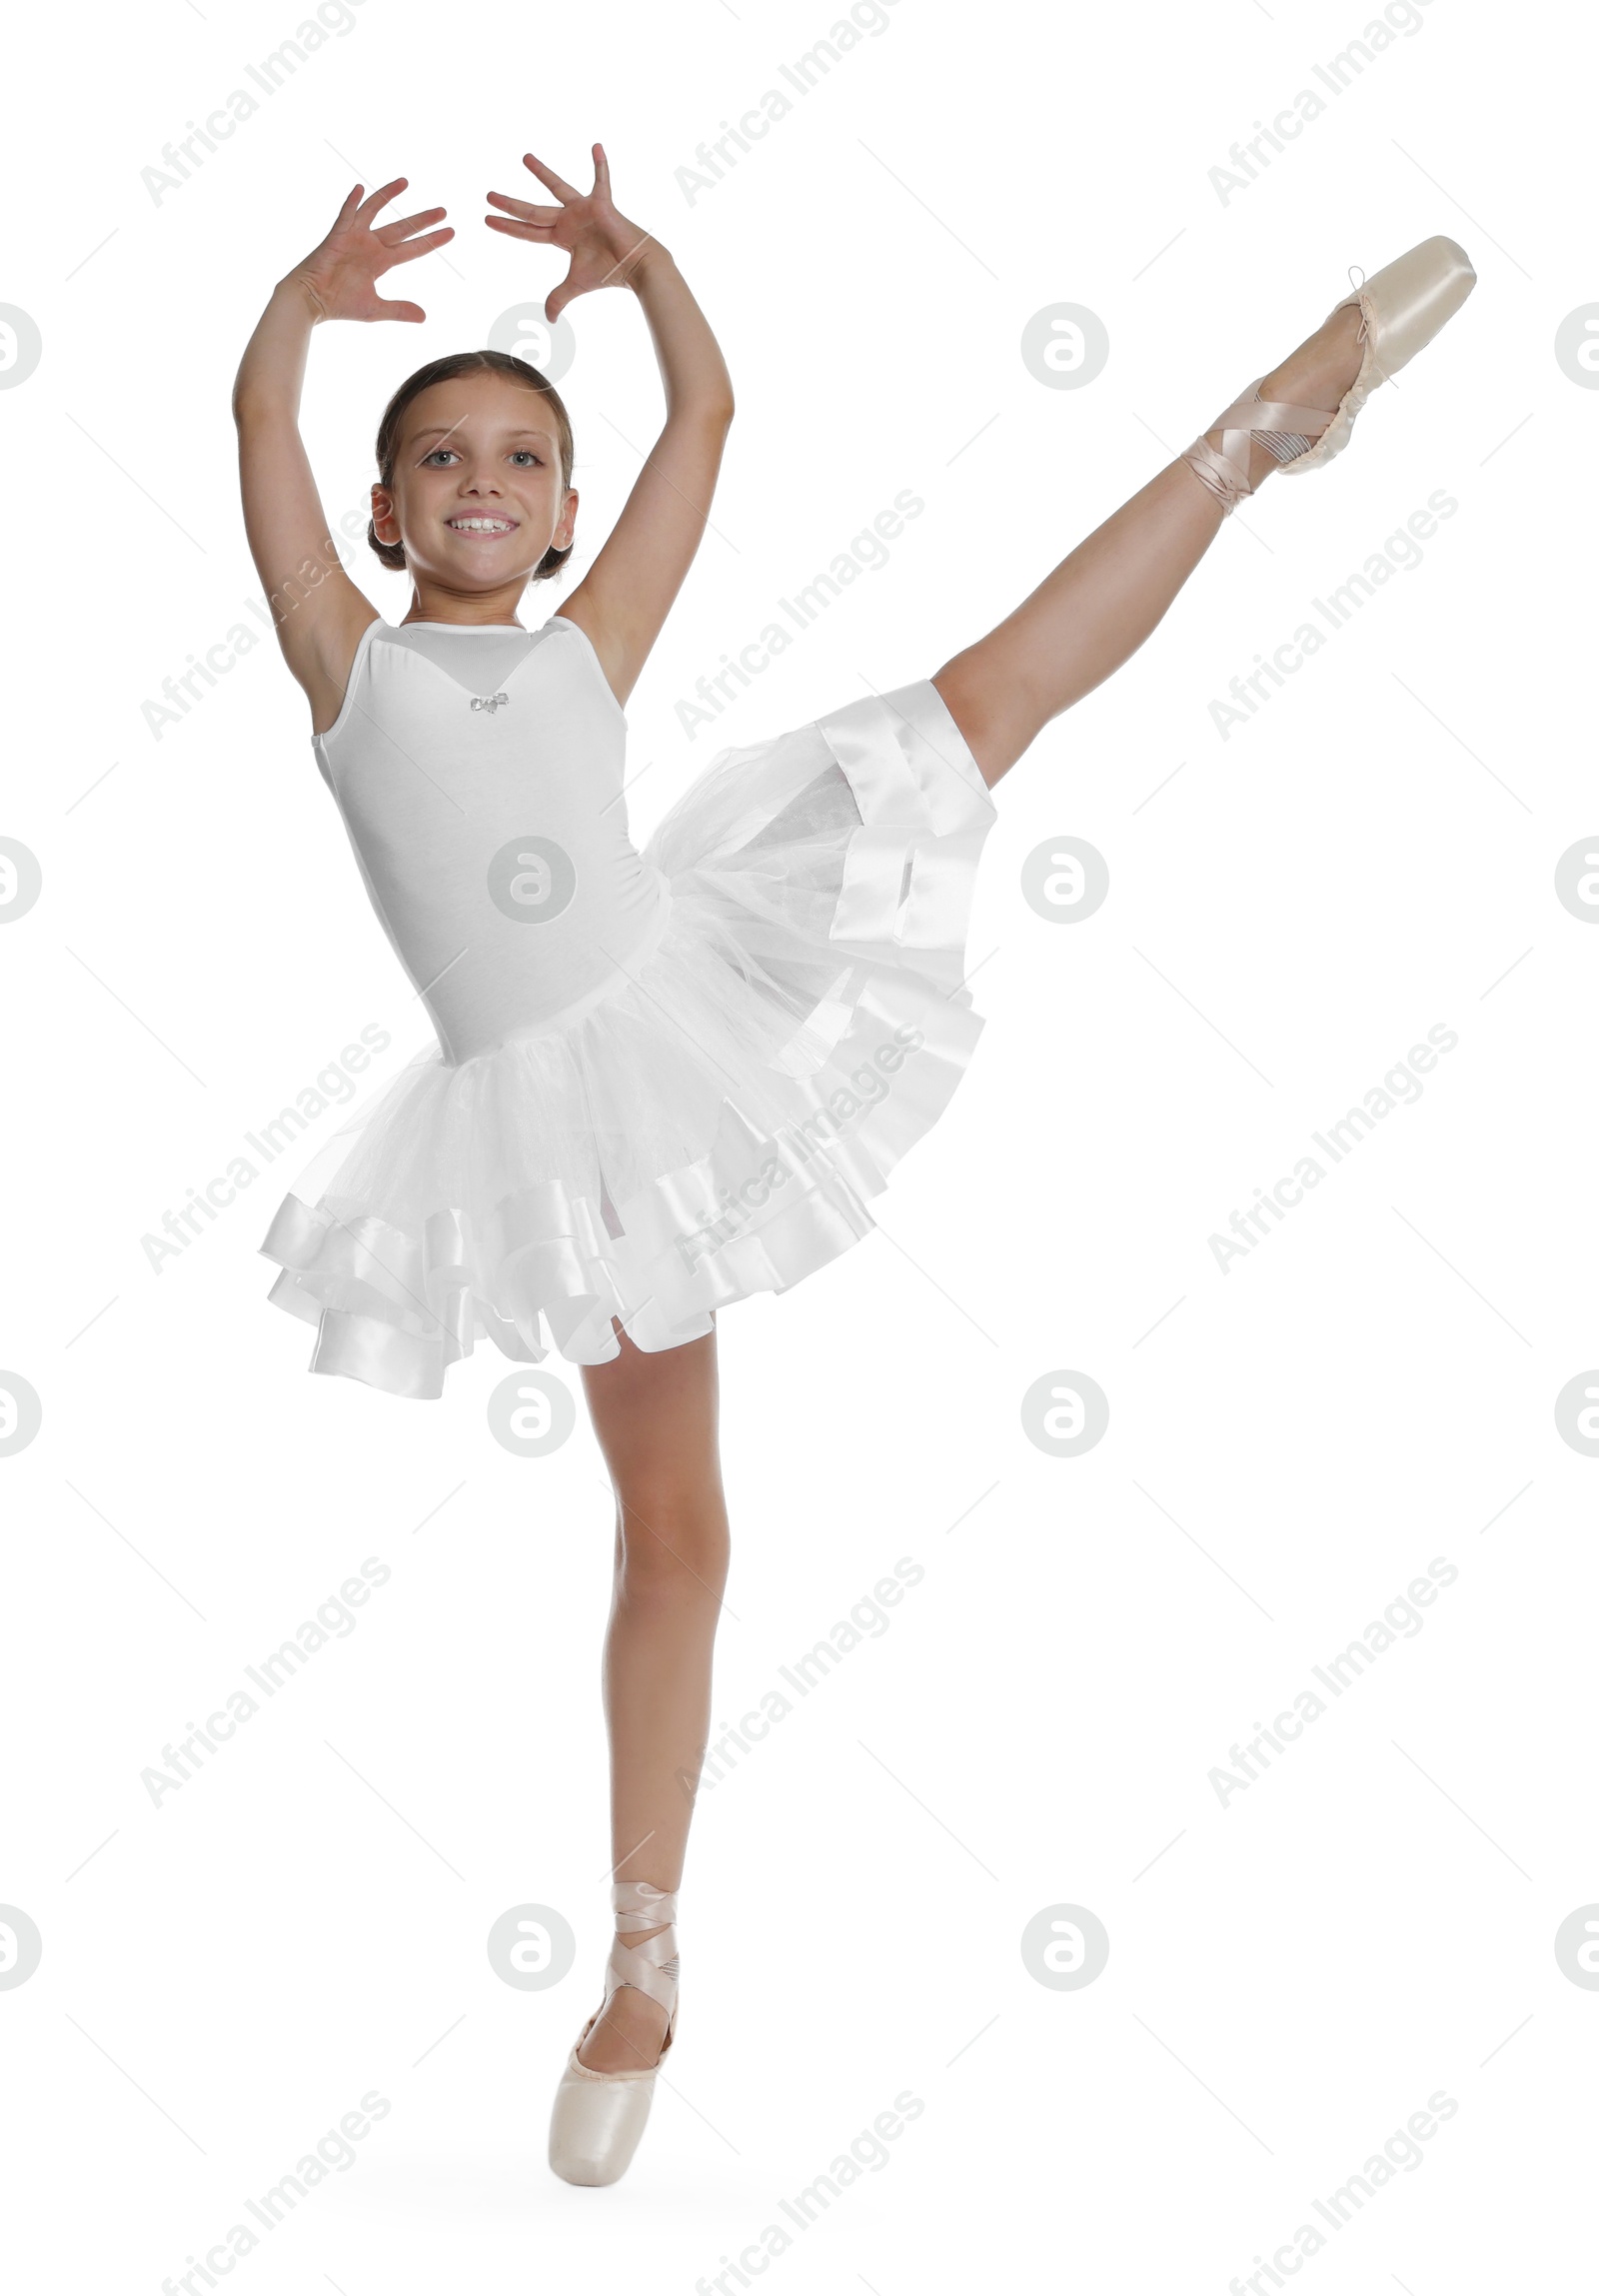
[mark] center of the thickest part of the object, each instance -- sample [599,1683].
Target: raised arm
[318,612]
[622,601]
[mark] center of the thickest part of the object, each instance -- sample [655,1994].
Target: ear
[561,538]
[383,514]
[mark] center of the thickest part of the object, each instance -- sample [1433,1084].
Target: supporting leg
[1100,604]
[654,1416]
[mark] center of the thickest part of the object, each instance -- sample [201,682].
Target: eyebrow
[447,430]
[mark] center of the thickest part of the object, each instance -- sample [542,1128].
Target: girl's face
[476,498]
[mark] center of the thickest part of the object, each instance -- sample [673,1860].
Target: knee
[671,1540]
[997,717]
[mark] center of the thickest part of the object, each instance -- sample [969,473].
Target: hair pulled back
[444,371]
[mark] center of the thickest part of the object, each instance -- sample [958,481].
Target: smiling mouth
[482,524]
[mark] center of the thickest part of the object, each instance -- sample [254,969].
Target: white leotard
[479,772]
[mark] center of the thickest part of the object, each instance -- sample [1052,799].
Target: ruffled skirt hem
[712,1128]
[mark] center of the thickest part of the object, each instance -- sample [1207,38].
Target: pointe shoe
[1402,309]
[599,2118]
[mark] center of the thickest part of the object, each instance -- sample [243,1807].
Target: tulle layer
[714,1123]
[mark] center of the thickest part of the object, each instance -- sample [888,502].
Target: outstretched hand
[342,273]
[605,248]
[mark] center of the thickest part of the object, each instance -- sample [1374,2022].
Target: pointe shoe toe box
[1403,306]
[597,2122]
[1412,297]
[598,2117]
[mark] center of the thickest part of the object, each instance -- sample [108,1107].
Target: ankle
[1307,390]
[1321,368]
[1262,462]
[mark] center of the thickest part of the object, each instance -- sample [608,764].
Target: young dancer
[668,1078]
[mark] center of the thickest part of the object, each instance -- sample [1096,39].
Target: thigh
[654,1416]
[997,718]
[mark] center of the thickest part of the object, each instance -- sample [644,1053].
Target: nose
[479,474]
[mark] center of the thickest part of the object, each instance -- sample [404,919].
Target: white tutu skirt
[716,1123]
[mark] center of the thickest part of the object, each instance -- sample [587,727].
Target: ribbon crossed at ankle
[651,1967]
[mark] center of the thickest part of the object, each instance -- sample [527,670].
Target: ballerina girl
[670,1076]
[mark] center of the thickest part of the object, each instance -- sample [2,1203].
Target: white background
[1290,1444]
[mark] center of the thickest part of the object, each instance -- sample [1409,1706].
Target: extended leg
[1101,603]
[656,1420]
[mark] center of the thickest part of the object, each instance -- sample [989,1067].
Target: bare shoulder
[318,635]
[584,609]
